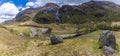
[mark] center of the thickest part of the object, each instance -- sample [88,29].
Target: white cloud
[8,11]
[39,3]
[30,4]
[34,4]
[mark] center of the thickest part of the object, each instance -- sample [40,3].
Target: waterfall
[57,16]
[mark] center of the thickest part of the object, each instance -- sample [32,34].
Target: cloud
[39,3]
[8,11]
[30,4]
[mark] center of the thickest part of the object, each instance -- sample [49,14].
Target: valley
[89,29]
[14,45]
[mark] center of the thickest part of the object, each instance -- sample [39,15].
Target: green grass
[13,45]
[92,35]
[28,46]
[68,48]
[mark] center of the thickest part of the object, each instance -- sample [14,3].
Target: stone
[39,44]
[56,40]
[107,39]
[21,34]
[33,32]
[32,35]
[46,31]
[39,31]
[108,51]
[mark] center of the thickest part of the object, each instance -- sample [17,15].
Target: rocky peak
[103,4]
[51,5]
[66,7]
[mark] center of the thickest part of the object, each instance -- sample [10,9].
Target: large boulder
[107,39]
[108,51]
[38,31]
[56,40]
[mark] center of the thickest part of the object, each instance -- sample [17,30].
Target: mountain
[92,11]
[47,13]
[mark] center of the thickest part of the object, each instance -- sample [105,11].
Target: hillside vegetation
[93,11]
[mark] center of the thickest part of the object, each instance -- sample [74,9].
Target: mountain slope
[47,13]
[30,13]
[92,11]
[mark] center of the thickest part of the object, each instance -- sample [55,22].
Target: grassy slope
[85,45]
[13,45]
[10,43]
[56,29]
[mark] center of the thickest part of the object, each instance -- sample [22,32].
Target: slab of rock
[56,40]
[67,35]
[107,39]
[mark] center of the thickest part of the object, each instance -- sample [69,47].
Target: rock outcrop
[38,31]
[107,42]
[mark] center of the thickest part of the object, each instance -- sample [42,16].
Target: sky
[9,8]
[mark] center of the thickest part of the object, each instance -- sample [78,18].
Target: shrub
[23,18]
[26,32]
[116,28]
[104,26]
[86,28]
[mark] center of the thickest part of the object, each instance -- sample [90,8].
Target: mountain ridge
[91,9]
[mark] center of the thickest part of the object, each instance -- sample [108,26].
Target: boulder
[39,44]
[108,51]
[21,34]
[39,31]
[56,40]
[107,38]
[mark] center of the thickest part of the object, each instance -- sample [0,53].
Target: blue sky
[9,8]
[16,2]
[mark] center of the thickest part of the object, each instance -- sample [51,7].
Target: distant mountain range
[91,11]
